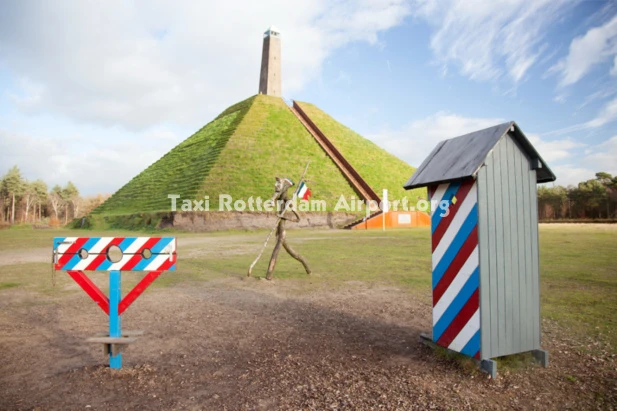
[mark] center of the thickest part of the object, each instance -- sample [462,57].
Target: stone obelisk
[270,79]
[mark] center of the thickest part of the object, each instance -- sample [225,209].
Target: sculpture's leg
[275,253]
[296,256]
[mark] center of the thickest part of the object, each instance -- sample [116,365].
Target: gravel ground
[254,344]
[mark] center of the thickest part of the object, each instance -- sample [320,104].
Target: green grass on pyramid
[241,152]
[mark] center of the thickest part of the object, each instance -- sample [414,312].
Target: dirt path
[33,255]
[254,344]
[194,246]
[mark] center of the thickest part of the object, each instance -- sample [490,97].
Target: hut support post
[541,357]
[489,367]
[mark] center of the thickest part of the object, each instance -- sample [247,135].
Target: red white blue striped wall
[456,273]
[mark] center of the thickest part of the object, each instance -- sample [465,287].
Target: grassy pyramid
[241,151]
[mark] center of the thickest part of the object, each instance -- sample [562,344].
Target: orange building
[396,219]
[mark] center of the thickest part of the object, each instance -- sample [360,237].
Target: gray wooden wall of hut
[508,241]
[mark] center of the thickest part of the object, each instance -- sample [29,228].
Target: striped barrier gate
[456,275]
[114,254]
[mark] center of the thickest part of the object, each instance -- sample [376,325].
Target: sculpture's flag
[303,191]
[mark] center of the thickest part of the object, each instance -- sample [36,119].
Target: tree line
[591,199]
[23,201]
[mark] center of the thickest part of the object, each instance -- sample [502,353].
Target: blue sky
[95,92]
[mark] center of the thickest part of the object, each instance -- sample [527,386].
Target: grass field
[345,335]
[578,266]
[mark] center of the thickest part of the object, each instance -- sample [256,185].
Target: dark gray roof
[463,156]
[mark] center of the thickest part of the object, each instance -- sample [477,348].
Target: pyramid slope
[239,153]
[271,142]
[244,148]
[377,167]
[180,171]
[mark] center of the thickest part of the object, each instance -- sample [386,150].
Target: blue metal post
[115,321]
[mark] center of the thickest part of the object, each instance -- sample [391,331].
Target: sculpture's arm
[282,214]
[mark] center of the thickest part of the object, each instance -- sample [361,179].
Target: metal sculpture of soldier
[284,204]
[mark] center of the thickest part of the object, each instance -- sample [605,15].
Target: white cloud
[100,166]
[554,150]
[360,20]
[600,157]
[604,91]
[560,98]
[571,174]
[614,68]
[415,141]
[607,115]
[596,46]
[488,39]
[603,157]
[141,63]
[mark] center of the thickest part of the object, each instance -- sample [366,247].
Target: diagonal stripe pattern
[456,272]
[68,253]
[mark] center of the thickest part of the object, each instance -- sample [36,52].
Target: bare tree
[29,196]
[56,200]
[92,202]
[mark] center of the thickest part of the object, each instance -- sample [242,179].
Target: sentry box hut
[484,225]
